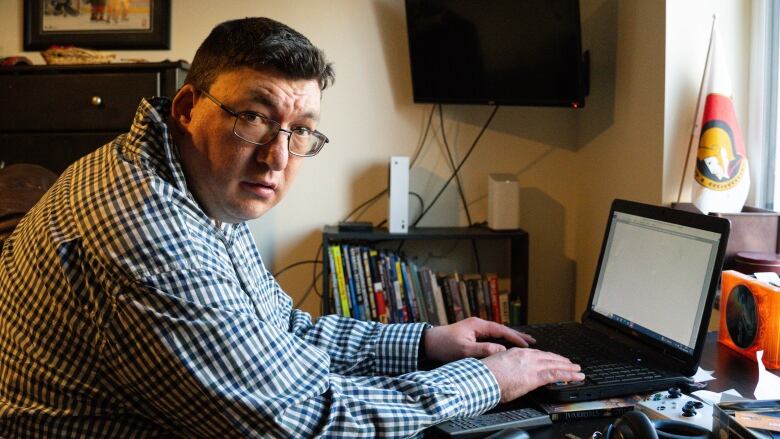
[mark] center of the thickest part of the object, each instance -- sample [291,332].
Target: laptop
[646,321]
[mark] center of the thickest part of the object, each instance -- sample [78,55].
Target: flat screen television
[497,52]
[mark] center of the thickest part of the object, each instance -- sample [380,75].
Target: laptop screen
[655,277]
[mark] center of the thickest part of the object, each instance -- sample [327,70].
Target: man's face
[234,180]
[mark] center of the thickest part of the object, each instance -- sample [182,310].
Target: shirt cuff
[477,385]
[397,348]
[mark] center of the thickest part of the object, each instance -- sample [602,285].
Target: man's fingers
[497,330]
[555,375]
[484,349]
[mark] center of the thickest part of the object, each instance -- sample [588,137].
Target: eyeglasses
[259,130]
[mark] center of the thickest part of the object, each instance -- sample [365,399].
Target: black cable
[466,157]
[308,291]
[416,155]
[452,164]
[314,270]
[370,200]
[422,203]
[295,264]
[425,136]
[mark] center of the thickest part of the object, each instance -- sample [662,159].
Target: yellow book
[335,252]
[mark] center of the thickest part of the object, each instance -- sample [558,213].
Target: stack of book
[382,285]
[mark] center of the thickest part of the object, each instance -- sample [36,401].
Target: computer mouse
[509,433]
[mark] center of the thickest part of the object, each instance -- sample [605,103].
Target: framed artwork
[97,24]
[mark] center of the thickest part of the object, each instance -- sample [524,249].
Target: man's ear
[182,105]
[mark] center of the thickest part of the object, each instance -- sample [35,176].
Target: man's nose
[275,153]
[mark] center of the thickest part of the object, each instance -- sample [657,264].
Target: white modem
[398,221]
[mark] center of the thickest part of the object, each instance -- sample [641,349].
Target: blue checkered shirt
[126,312]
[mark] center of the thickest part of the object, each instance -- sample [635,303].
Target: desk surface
[731,371]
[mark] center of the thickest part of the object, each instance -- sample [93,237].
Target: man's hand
[518,371]
[460,340]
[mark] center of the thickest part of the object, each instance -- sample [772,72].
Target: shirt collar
[149,144]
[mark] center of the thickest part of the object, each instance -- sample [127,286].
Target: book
[504,291]
[379,289]
[438,299]
[561,411]
[503,303]
[427,291]
[457,296]
[365,278]
[495,300]
[486,295]
[398,285]
[335,252]
[441,280]
[360,282]
[414,279]
[355,299]
[334,282]
[475,295]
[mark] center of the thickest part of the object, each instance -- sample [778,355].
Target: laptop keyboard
[602,364]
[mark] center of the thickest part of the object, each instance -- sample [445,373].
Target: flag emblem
[720,161]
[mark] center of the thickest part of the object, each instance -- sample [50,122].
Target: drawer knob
[96,101]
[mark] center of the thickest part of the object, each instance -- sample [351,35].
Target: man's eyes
[256,118]
[253,117]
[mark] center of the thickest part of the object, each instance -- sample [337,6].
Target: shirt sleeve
[356,347]
[205,370]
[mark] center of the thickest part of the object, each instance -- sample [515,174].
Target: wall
[570,164]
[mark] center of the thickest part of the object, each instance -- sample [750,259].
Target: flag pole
[696,122]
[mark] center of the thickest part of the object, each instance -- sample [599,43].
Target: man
[135,304]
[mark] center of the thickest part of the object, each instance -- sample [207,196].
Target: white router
[398,221]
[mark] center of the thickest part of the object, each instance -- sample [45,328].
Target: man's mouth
[260,189]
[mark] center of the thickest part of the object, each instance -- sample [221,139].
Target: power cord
[368,203]
[462,162]
[452,164]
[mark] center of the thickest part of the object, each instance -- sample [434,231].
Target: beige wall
[570,163]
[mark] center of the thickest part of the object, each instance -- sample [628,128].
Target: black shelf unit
[517,250]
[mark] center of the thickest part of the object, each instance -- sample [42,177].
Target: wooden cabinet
[53,115]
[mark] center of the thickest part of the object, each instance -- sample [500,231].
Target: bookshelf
[502,252]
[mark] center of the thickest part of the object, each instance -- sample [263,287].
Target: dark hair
[258,43]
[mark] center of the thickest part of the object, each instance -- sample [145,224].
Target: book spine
[334,282]
[369,283]
[503,301]
[354,297]
[479,296]
[400,294]
[379,289]
[446,294]
[504,289]
[414,279]
[457,295]
[592,413]
[430,301]
[360,282]
[438,297]
[411,299]
[387,287]
[495,301]
[336,252]
[486,295]
[459,288]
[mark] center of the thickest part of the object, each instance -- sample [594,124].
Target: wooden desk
[731,371]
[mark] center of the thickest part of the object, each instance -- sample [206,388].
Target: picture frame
[97,24]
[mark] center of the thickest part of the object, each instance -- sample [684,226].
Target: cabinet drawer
[73,102]
[54,151]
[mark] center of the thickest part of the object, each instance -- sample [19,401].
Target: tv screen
[507,52]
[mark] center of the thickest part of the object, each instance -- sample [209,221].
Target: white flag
[722,175]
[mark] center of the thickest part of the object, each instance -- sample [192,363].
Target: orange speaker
[750,317]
